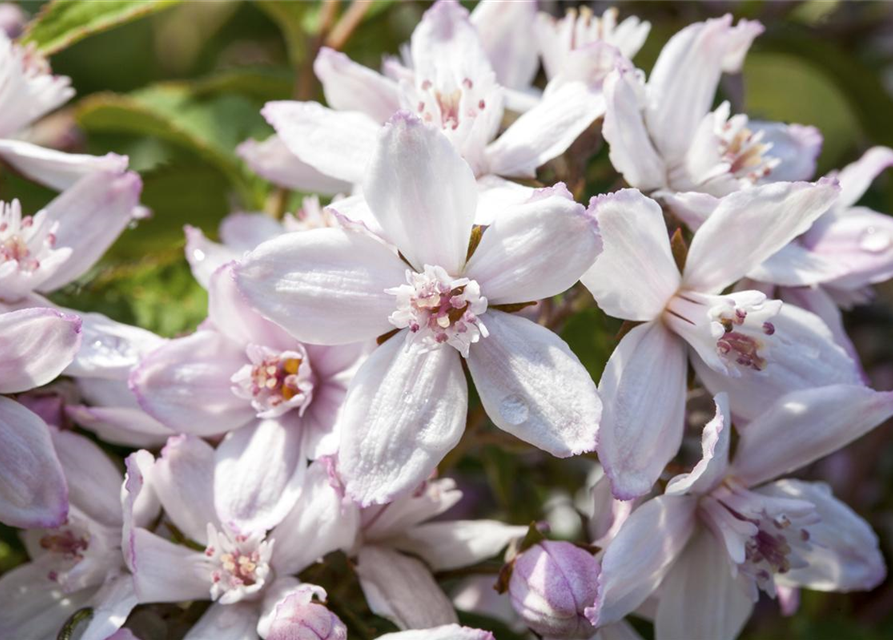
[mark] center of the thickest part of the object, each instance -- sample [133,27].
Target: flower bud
[297,617]
[12,19]
[551,585]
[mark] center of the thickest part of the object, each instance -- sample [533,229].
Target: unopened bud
[551,585]
[297,617]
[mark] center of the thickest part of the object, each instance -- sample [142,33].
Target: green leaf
[211,127]
[61,23]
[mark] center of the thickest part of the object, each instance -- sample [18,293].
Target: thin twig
[348,23]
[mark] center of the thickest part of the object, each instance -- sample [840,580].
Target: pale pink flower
[754,348]
[663,136]
[444,632]
[406,406]
[247,565]
[725,530]
[397,549]
[242,374]
[298,617]
[450,84]
[79,562]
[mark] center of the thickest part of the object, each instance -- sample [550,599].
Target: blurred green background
[178,89]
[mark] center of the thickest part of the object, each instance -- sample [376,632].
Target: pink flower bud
[551,585]
[298,618]
[12,19]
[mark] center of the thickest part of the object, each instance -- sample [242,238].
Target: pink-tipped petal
[35,346]
[714,462]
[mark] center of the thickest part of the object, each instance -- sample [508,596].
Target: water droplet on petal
[198,255]
[513,409]
[408,398]
[874,240]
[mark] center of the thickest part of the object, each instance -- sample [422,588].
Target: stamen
[275,382]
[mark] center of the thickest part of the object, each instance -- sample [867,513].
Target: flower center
[67,542]
[438,309]
[771,530]
[447,106]
[743,150]
[239,564]
[21,240]
[729,332]
[275,382]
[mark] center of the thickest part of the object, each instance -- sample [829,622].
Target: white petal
[318,524]
[35,346]
[254,491]
[186,385]
[434,498]
[506,30]
[335,143]
[684,79]
[818,301]
[401,589]
[33,605]
[796,266]
[807,425]
[324,286]
[643,388]
[349,86]
[714,462]
[631,152]
[762,220]
[91,215]
[443,632]
[168,572]
[855,178]
[634,564]
[273,161]
[797,146]
[702,599]
[204,256]
[226,622]
[33,492]
[534,387]
[535,250]
[422,193]
[57,169]
[112,604]
[495,196]
[110,349]
[635,275]
[94,482]
[404,411]
[545,131]
[457,543]
[802,355]
[183,478]
[844,554]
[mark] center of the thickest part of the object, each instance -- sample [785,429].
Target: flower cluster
[353,353]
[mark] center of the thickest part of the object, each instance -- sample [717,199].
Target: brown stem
[348,23]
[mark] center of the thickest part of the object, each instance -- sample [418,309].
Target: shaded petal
[633,566]
[643,388]
[422,193]
[545,131]
[796,266]
[683,81]
[110,349]
[227,622]
[349,86]
[183,479]
[631,152]
[714,463]
[244,231]
[335,143]
[635,275]
[168,572]
[622,630]
[804,426]
[120,425]
[33,492]
[57,169]
[535,250]
[796,145]
[402,589]
[325,286]
[94,482]
[233,316]
[816,300]
[186,384]
[457,543]
[204,256]
[35,606]
[35,346]
[404,411]
[844,554]
[443,632]
[254,491]
[534,387]
[139,502]
[506,31]
[434,498]
[273,161]
[91,215]
[762,220]
[802,355]
[855,178]
[496,195]
[702,599]
[318,524]
[112,604]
